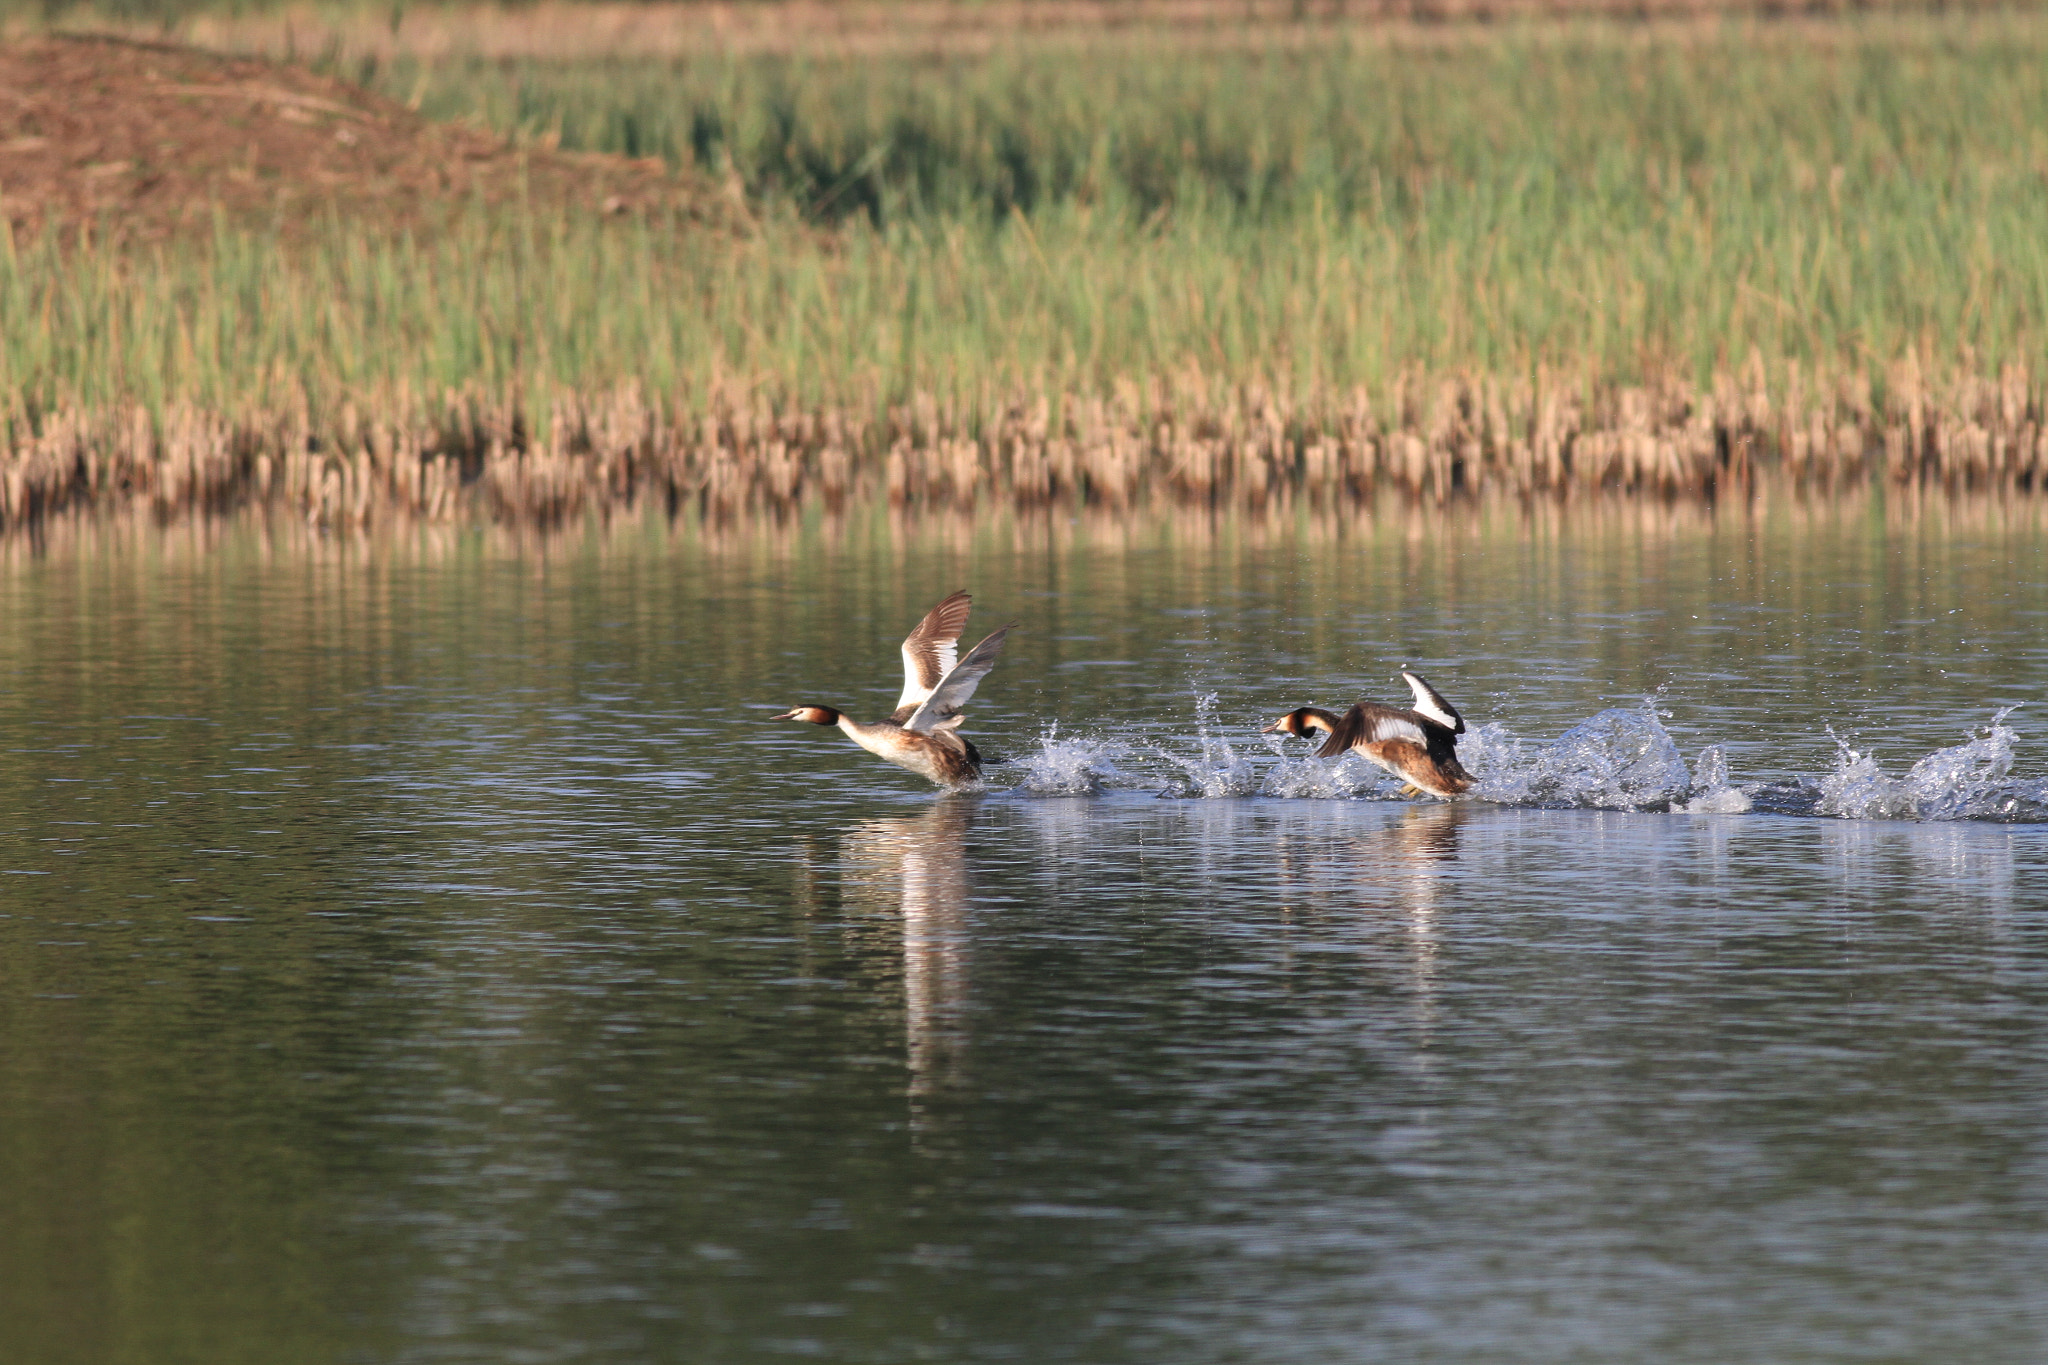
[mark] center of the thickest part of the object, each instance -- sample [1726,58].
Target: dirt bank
[146,140]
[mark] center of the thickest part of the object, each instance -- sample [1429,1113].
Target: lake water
[423,949]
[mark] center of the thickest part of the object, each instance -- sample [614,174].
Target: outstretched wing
[1430,702]
[1366,723]
[930,651]
[942,707]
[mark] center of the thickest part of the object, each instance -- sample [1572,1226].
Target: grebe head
[816,715]
[1297,723]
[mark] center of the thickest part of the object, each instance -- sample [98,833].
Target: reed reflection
[914,869]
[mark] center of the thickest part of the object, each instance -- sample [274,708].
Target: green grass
[1528,118]
[1056,220]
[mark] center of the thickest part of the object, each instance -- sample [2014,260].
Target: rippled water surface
[426,951]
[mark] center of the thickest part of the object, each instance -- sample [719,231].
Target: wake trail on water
[1619,759]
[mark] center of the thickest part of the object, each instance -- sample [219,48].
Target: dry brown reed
[1180,444]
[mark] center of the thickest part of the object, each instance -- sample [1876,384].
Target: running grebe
[1418,745]
[922,733]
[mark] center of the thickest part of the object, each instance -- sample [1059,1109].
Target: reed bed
[1541,263]
[1244,448]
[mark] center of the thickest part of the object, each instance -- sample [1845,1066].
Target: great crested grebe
[1418,745]
[922,733]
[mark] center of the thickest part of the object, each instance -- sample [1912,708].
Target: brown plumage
[922,733]
[945,756]
[1418,745]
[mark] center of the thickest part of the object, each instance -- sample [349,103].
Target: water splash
[1857,789]
[1070,767]
[1711,792]
[1619,759]
[1501,762]
[1344,778]
[1967,781]
[1218,770]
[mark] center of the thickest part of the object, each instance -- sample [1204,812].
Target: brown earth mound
[148,139]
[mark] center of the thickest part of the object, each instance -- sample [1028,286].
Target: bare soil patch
[146,140]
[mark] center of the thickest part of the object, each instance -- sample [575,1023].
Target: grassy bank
[1520,249]
[1515,130]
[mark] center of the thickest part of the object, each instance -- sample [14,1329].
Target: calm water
[427,953]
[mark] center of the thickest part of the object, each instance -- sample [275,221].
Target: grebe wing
[958,685]
[931,650]
[1366,723]
[1430,703]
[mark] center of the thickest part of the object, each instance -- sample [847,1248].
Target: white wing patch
[940,709]
[916,688]
[1430,703]
[931,650]
[1394,727]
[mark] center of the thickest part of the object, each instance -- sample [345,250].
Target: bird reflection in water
[915,868]
[1395,872]
[1398,864]
[1414,849]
